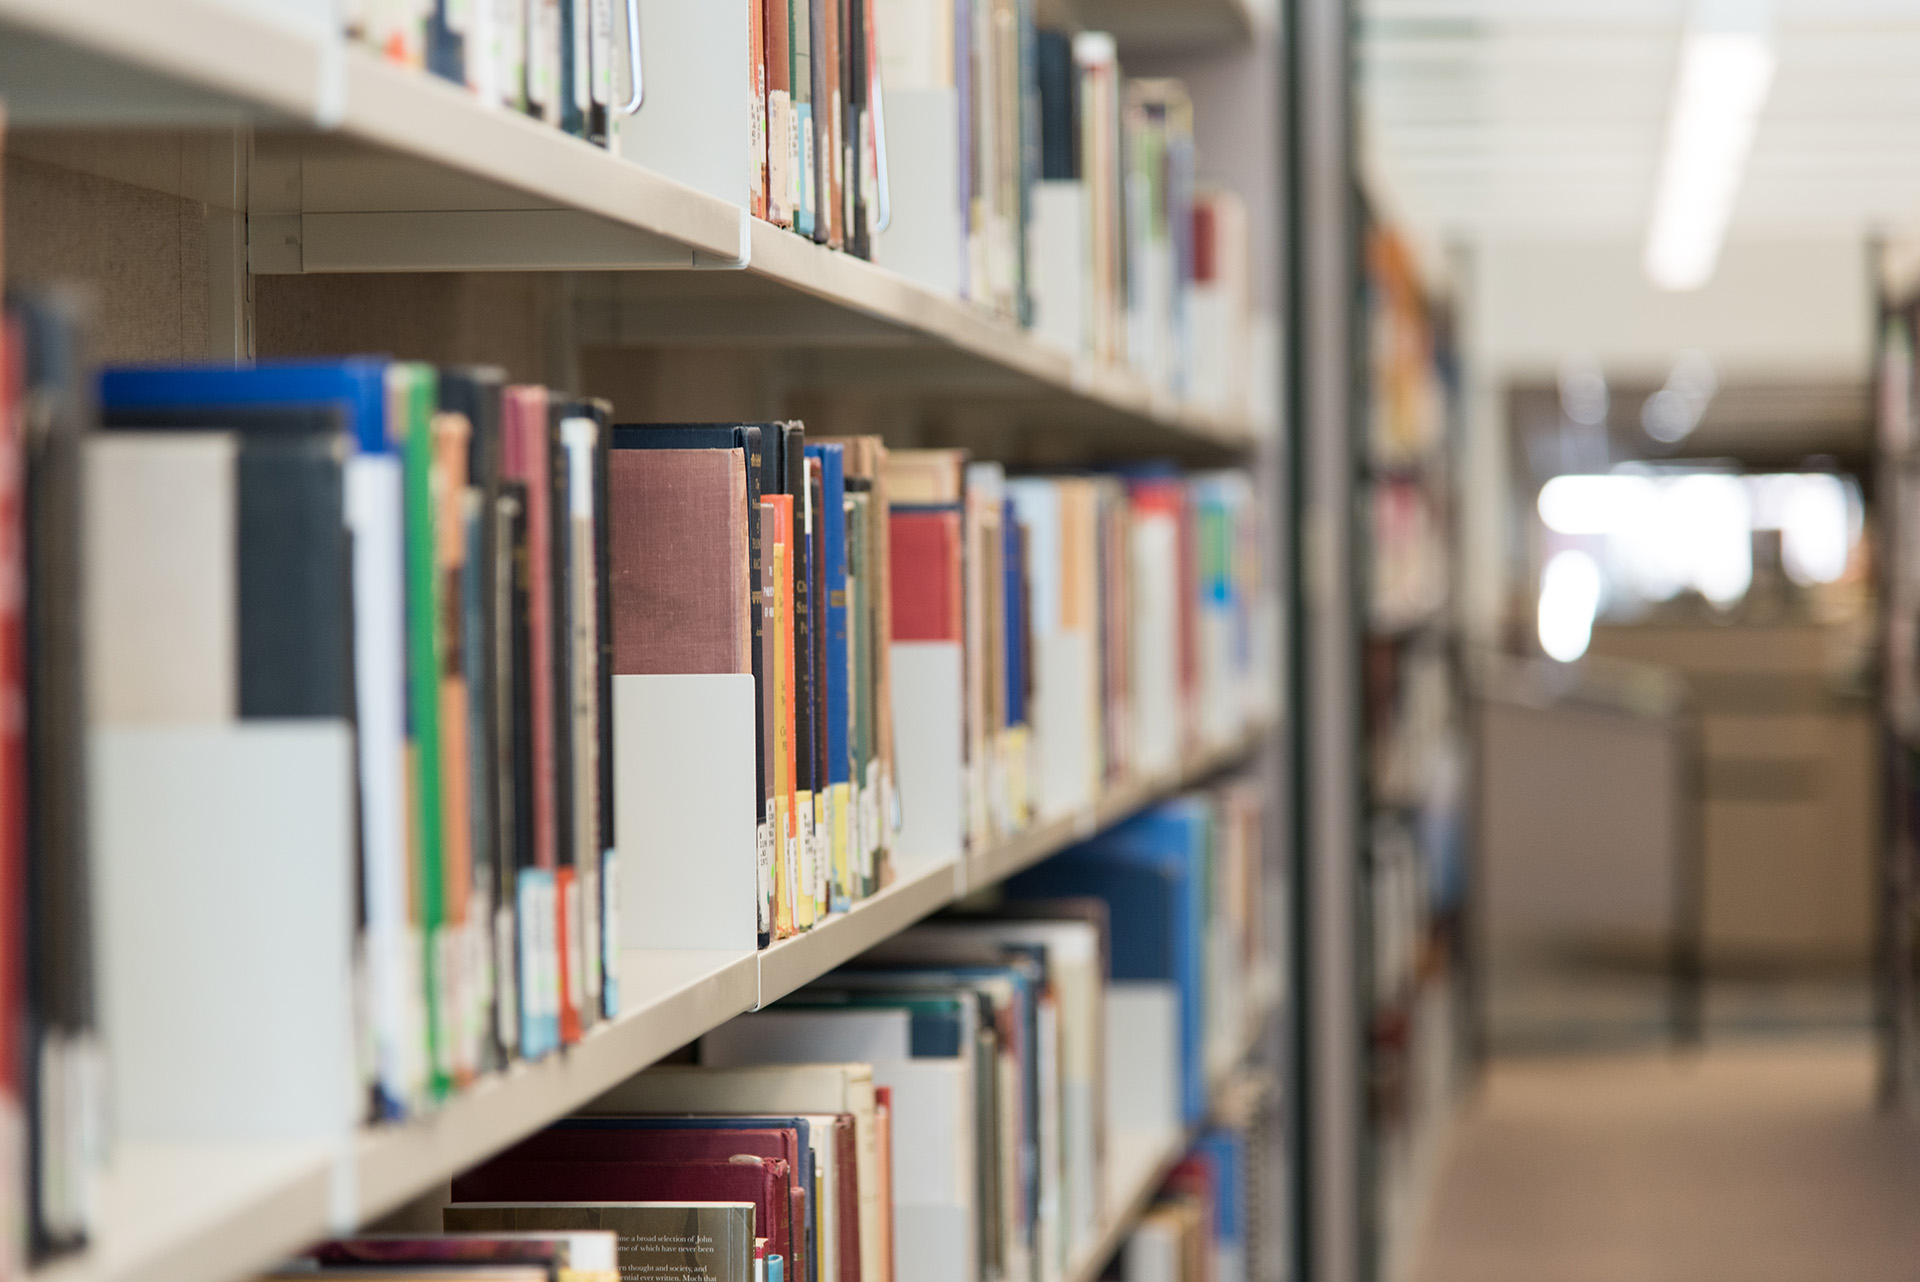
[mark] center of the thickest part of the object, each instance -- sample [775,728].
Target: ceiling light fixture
[1726,68]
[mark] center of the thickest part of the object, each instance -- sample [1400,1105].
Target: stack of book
[944,1107]
[1196,1229]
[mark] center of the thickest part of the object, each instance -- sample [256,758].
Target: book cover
[925,549]
[680,567]
[748,439]
[579,1255]
[767,1186]
[177,396]
[707,1241]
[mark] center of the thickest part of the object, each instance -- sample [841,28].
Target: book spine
[802,690]
[409,410]
[448,483]
[800,81]
[609,851]
[776,29]
[817,605]
[757,110]
[562,666]
[507,690]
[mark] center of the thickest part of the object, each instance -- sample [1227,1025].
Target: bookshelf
[206,1213]
[349,167]
[361,167]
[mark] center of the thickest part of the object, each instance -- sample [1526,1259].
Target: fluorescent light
[1724,77]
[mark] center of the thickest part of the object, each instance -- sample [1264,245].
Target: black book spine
[61,999]
[1059,113]
[853,79]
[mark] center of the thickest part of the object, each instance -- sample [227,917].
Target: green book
[412,393]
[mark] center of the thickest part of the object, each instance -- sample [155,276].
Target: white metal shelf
[205,1213]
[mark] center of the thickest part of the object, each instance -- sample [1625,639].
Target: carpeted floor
[1738,1164]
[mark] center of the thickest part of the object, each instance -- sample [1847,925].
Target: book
[765,1186]
[62,1049]
[777,1091]
[707,1240]
[679,529]
[568,1256]
[526,460]
[190,396]
[748,439]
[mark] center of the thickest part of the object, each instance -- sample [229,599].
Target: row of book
[1195,1230]
[570,63]
[1086,629]
[946,1107]
[380,620]
[1150,268]
[1031,176]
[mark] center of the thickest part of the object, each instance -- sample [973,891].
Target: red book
[925,548]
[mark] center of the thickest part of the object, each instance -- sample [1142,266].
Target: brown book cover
[680,564]
[523,458]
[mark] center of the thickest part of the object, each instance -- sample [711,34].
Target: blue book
[836,674]
[1014,563]
[1226,1151]
[1151,871]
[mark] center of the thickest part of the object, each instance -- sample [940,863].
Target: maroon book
[847,1160]
[767,1183]
[924,547]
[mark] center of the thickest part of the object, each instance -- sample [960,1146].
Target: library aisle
[1744,1161]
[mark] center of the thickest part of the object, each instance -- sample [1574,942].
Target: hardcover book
[658,1241]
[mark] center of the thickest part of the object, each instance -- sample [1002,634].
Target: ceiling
[1486,119]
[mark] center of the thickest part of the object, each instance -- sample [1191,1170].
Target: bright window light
[1816,529]
[1595,504]
[1724,78]
[1569,600]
